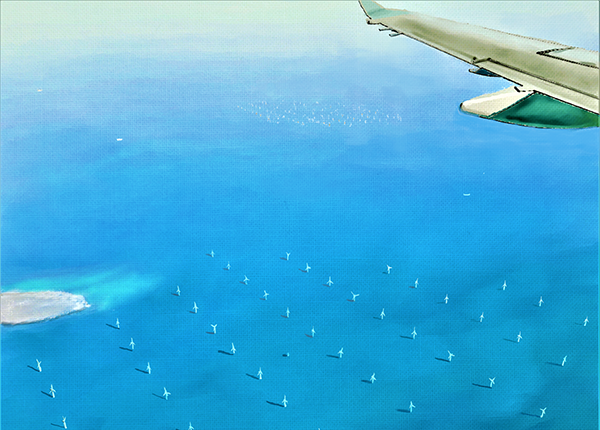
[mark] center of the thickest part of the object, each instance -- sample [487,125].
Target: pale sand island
[27,308]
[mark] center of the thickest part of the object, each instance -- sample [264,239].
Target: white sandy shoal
[31,307]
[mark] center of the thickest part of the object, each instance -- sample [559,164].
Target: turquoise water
[126,222]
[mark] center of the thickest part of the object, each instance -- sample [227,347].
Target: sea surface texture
[132,171]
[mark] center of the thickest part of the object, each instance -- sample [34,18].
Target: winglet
[375,11]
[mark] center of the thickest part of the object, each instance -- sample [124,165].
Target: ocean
[459,203]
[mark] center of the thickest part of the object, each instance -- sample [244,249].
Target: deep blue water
[125,222]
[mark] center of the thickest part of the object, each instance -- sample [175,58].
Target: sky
[276,28]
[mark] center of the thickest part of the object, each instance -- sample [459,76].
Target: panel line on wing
[491,60]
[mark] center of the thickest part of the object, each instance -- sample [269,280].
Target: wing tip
[374,10]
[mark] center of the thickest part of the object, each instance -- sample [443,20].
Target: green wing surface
[557,84]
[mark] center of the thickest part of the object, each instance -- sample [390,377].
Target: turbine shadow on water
[482,386]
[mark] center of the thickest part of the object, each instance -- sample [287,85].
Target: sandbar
[32,307]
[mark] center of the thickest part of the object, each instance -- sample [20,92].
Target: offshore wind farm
[191,356]
[208,263]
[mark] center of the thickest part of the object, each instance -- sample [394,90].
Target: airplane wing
[557,85]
